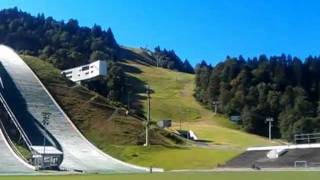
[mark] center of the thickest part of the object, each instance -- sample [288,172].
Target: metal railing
[15,122]
[11,144]
[307,138]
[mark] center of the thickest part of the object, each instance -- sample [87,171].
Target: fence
[307,138]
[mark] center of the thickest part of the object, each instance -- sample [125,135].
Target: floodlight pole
[148,118]
[269,120]
[45,122]
[215,103]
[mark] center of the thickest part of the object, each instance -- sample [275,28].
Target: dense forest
[63,44]
[66,45]
[283,87]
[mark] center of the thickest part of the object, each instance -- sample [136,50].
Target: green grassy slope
[173,99]
[91,112]
[121,136]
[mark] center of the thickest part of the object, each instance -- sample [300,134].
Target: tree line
[283,87]
[65,45]
[170,60]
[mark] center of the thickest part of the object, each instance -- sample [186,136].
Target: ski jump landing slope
[10,163]
[78,152]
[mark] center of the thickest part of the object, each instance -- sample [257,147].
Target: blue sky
[198,29]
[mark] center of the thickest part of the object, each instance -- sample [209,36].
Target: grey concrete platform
[28,98]
[310,155]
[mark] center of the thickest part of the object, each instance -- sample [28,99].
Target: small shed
[235,118]
[46,157]
[166,123]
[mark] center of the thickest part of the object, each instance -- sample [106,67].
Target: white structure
[193,135]
[290,146]
[46,157]
[86,72]
[276,153]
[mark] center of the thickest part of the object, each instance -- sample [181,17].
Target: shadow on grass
[124,53]
[203,141]
[137,90]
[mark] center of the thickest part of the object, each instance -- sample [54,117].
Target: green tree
[116,85]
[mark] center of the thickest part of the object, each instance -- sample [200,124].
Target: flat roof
[83,65]
[46,150]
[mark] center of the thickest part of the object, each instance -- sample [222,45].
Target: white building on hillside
[86,72]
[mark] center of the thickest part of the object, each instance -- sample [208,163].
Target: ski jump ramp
[28,98]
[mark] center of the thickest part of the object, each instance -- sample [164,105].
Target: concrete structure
[276,153]
[10,162]
[193,136]
[46,157]
[289,146]
[164,123]
[188,134]
[287,156]
[87,72]
[28,98]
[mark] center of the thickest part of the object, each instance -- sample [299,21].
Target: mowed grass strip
[182,176]
[175,158]
[173,99]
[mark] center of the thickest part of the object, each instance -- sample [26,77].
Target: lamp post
[148,118]
[269,120]
[45,123]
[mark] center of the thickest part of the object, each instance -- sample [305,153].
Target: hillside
[173,99]
[115,133]
[99,121]
[122,136]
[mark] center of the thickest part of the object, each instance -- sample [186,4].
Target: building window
[69,77]
[85,68]
[68,72]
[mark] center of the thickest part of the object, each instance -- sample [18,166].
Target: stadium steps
[28,98]
[258,158]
